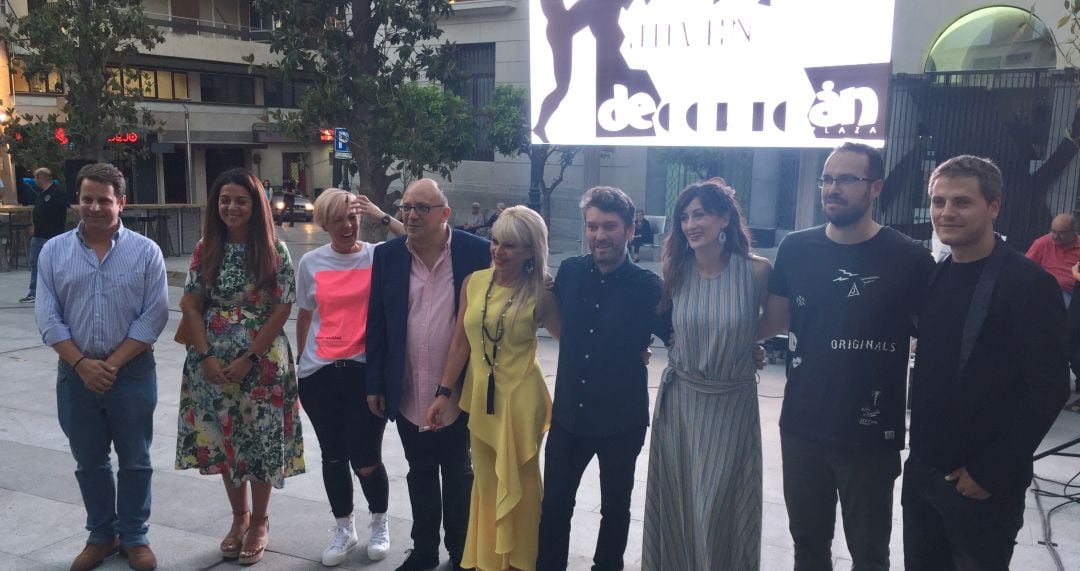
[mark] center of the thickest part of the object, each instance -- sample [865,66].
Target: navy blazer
[388,308]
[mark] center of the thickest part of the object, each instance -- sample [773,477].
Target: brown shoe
[94,554]
[140,557]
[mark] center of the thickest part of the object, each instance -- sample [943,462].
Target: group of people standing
[437,330]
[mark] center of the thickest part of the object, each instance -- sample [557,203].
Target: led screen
[736,73]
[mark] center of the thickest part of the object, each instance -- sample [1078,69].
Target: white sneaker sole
[377,554]
[339,559]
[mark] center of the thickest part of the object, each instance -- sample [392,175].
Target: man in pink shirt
[1057,252]
[415,287]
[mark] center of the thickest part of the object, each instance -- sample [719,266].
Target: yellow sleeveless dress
[504,518]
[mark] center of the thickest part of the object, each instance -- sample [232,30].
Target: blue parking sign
[341,143]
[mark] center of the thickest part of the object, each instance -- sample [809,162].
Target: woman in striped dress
[703,500]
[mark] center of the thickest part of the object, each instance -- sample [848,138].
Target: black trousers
[430,453]
[815,475]
[335,400]
[944,530]
[565,458]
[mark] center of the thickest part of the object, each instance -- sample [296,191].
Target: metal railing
[209,28]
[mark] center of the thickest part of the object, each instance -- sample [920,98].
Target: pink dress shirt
[428,332]
[1056,260]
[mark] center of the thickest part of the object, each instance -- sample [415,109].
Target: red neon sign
[122,138]
[326,135]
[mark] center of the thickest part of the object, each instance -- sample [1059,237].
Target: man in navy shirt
[601,408]
[49,216]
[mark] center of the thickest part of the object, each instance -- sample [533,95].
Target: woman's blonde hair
[328,203]
[522,225]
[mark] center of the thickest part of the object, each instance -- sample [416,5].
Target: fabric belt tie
[700,384]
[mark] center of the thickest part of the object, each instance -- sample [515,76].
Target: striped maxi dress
[703,499]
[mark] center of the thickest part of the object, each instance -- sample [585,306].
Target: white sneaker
[344,542]
[379,544]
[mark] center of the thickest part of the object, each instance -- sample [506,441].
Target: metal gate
[1021,120]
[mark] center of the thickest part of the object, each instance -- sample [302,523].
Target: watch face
[253,358]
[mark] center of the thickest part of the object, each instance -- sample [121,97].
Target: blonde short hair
[522,225]
[328,203]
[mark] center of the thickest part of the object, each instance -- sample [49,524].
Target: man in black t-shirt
[847,293]
[49,217]
[990,377]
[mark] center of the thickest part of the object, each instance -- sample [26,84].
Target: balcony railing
[209,28]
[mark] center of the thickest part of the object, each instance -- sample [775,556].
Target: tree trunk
[537,161]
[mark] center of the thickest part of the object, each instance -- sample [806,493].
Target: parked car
[302,209]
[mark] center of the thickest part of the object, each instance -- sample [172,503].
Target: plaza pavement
[41,516]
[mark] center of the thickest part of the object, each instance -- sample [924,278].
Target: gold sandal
[231,545]
[250,555]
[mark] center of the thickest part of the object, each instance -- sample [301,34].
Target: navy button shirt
[607,321]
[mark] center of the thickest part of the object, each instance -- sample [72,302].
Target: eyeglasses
[420,208]
[842,180]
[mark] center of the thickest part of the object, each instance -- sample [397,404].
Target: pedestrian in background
[49,216]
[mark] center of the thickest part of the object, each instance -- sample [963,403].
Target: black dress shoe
[417,562]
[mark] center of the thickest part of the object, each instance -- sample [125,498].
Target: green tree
[32,142]
[365,58]
[510,133]
[81,41]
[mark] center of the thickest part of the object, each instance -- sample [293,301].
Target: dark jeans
[336,402]
[945,531]
[815,474]
[32,253]
[122,418]
[428,453]
[565,458]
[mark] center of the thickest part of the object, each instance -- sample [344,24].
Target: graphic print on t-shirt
[855,279]
[340,335]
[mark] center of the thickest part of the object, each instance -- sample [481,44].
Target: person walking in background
[332,287]
[504,392]
[239,414]
[848,293]
[703,500]
[49,216]
[990,377]
[601,407]
[643,234]
[104,302]
[415,287]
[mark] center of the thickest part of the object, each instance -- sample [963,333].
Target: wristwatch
[200,357]
[385,220]
[442,391]
[253,358]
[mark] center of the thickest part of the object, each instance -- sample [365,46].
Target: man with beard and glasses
[847,293]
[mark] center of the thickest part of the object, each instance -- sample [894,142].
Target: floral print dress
[251,428]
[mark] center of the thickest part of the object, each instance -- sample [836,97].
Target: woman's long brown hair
[260,250]
[716,198]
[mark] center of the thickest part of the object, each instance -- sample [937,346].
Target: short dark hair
[105,174]
[876,168]
[609,199]
[983,170]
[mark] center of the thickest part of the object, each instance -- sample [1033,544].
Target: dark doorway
[174,166]
[293,168]
[221,160]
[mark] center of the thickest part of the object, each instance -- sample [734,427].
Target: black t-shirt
[50,212]
[852,309]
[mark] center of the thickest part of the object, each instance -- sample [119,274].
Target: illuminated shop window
[998,37]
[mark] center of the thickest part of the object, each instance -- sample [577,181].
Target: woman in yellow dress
[504,392]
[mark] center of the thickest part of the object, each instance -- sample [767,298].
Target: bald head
[1062,230]
[424,190]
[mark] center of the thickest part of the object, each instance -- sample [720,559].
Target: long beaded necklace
[494,339]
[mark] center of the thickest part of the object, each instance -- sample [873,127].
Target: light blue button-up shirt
[99,304]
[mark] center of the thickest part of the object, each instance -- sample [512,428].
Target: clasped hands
[234,373]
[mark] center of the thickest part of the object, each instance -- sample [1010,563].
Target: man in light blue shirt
[102,302]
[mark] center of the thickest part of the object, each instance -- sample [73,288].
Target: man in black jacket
[50,218]
[990,376]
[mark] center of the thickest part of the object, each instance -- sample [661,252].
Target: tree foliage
[365,58]
[510,133]
[80,40]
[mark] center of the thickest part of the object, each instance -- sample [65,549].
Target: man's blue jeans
[123,417]
[32,253]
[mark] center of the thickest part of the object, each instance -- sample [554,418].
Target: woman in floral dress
[239,415]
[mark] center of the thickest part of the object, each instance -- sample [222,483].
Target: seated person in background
[643,234]
[475,221]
